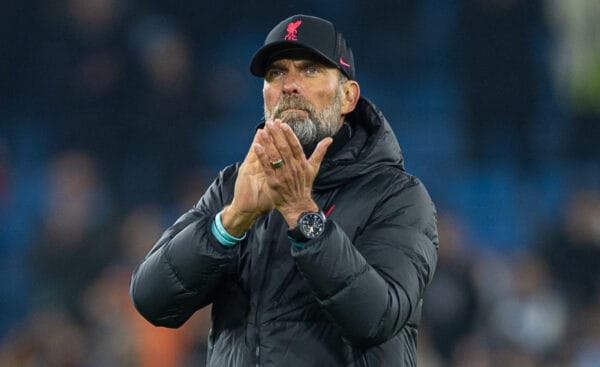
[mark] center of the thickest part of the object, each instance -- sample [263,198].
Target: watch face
[312,225]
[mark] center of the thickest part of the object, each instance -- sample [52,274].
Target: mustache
[292,102]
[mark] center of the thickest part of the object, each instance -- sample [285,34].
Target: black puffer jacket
[350,298]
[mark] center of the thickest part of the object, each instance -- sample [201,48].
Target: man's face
[305,94]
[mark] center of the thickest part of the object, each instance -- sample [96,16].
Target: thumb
[317,157]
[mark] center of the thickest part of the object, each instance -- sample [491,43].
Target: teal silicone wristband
[222,240]
[221,234]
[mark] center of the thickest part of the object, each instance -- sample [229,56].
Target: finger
[317,157]
[251,150]
[255,139]
[270,174]
[279,139]
[266,142]
[256,135]
[294,143]
[263,157]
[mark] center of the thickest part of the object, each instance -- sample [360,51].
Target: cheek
[270,97]
[324,99]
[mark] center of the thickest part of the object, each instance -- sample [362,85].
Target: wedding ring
[277,164]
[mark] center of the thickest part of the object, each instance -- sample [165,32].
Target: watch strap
[296,235]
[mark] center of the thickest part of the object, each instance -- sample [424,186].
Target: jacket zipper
[257,353]
[260,298]
[363,358]
[365,363]
[257,321]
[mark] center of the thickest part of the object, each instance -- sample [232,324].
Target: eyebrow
[299,63]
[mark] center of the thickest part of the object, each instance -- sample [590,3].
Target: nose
[290,83]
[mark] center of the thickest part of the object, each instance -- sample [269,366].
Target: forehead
[298,54]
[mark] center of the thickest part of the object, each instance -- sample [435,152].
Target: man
[314,251]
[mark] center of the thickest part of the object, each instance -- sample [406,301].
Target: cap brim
[260,60]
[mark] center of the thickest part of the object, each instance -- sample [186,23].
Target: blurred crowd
[116,115]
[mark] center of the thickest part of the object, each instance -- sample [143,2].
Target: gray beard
[309,127]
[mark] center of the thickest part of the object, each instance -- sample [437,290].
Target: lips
[294,110]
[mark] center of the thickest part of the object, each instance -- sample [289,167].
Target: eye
[273,73]
[312,69]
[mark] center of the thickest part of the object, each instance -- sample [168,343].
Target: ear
[350,95]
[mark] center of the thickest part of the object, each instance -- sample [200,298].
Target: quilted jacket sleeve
[186,265]
[371,287]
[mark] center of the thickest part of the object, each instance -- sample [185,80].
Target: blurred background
[116,115]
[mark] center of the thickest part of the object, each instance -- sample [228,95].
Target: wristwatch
[310,225]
